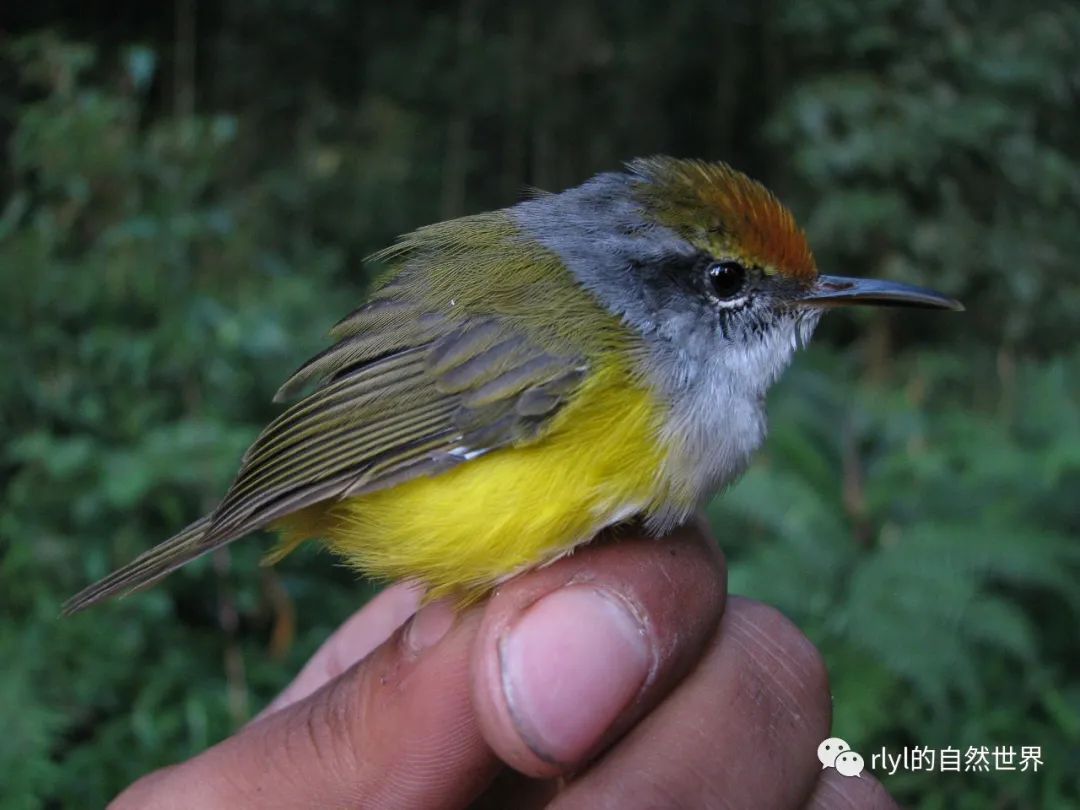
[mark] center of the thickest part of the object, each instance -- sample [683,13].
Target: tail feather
[148,568]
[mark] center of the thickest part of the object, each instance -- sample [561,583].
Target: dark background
[187,191]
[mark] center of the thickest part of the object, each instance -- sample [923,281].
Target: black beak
[833,291]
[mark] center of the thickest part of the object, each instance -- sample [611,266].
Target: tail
[148,568]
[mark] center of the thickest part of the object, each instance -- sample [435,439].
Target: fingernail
[570,666]
[428,625]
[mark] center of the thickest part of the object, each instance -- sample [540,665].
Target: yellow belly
[462,531]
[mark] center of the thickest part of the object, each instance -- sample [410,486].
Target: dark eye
[727,279]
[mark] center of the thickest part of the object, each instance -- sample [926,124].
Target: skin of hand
[619,677]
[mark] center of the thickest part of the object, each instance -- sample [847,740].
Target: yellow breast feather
[462,531]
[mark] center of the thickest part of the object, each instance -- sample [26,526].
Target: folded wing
[403,392]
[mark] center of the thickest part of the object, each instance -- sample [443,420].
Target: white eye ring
[731,303]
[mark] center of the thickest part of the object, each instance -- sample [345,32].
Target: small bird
[522,379]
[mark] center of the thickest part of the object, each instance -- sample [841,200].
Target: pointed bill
[831,291]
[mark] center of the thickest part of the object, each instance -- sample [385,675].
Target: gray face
[712,346]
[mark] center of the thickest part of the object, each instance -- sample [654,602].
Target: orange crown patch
[722,210]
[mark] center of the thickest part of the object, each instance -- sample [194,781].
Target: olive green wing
[415,399]
[404,392]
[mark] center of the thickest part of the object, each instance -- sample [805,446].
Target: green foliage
[936,142]
[926,548]
[181,220]
[151,305]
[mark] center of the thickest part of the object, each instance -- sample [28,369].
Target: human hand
[620,676]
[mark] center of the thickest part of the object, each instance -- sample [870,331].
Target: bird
[522,379]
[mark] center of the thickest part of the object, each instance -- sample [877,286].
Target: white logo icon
[834,752]
[849,764]
[829,750]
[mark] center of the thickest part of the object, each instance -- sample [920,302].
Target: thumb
[395,730]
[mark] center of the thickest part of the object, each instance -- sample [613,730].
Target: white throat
[717,416]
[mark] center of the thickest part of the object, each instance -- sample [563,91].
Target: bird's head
[705,263]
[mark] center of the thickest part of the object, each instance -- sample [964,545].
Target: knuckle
[326,735]
[339,730]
